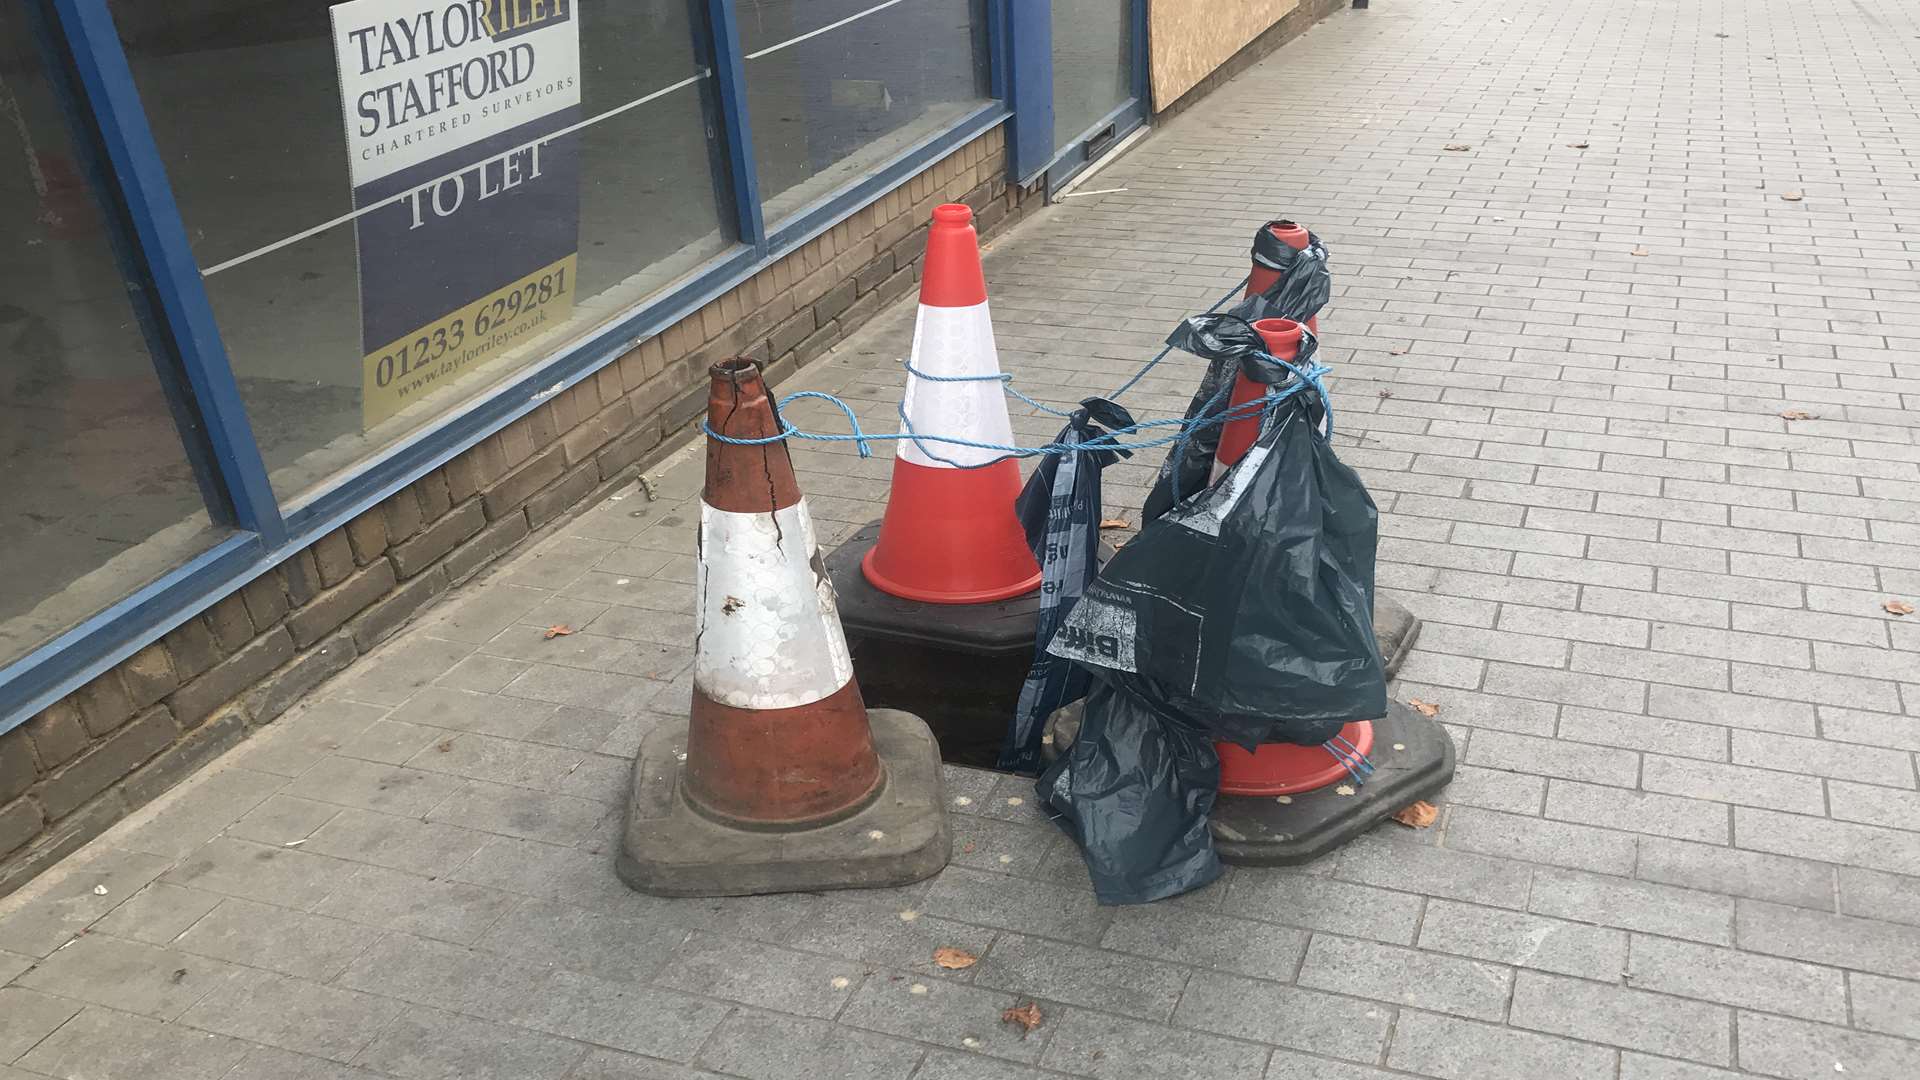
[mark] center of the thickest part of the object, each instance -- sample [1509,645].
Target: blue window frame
[1027,65]
[235,476]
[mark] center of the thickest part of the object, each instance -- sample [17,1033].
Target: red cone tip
[1237,436]
[1291,234]
[1281,335]
[952,276]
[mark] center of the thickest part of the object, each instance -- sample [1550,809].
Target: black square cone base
[997,628]
[669,849]
[1412,760]
[960,666]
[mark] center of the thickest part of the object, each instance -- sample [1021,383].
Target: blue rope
[1113,440]
[1162,354]
[1358,765]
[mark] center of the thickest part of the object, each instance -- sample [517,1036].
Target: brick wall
[127,736]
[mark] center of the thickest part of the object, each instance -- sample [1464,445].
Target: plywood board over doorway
[1192,38]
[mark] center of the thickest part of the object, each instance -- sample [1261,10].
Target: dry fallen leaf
[1792,196]
[557,630]
[1457,146]
[1027,1016]
[1798,414]
[1640,251]
[954,959]
[1417,816]
[1424,708]
[1898,607]
[445,746]
[1115,523]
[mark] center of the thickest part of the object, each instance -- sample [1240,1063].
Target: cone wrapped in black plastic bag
[1248,606]
[1244,613]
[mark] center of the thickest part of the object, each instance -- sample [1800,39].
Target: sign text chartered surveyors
[457,115]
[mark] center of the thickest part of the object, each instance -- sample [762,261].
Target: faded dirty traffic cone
[782,779]
[950,535]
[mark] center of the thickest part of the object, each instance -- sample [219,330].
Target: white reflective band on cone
[955,341]
[768,633]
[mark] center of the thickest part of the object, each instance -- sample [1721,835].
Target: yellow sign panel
[455,345]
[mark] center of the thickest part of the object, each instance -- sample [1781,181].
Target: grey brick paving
[1622,1017]
[1511,937]
[1681,844]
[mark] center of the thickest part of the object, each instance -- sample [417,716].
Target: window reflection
[399,203]
[835,87]
[97,494]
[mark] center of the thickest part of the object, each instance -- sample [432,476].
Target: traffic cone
[1238,436]
[779,732]
[781,779]
[1275,768]
[950,535]
[1267,273]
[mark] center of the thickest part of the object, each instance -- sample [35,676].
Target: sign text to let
[489,177]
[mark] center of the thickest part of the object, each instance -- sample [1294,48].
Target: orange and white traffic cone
[779,732]
[782,779]
[950,535]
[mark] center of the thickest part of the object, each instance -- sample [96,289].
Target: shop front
[311,310]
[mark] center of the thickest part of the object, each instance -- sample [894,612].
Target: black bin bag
[1060,510]
[1304,285]
[1243,613]
[1134,790]
[1230,346]
[1248,606]
[1227,340]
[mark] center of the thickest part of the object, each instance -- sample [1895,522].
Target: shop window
[98,495]
[397,204]
[1092,64]
[835,87]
